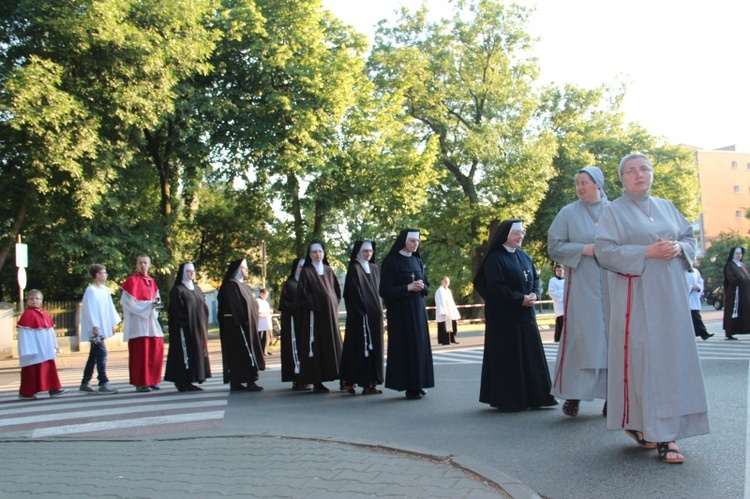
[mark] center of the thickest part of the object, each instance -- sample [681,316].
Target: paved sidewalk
[250,466]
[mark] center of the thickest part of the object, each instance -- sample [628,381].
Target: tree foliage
[197,129]
[467,83]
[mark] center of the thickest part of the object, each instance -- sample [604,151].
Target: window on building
[734,165]
[738,214]
[736,189]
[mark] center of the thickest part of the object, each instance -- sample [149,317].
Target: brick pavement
[248,466]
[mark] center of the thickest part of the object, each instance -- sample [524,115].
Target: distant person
[99,318]
[656,393]
[265,320]
[141,304]
[291,322]
[581,368]
[37,345]
[362,356]
[446,313]
[515,376]
[695,290]
[318,296]
[736,295]
[187,358]
[241,351]
[556,290]
[403,286]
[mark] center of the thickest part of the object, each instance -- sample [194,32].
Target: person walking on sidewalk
[362,356]
[695,288]
[141,304]
[37,345]
[403,286]
[318,296]
[98,321]
[241,351]
[446,313]
[187,358]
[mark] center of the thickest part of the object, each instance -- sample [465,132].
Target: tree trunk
[299,230]
[16,227]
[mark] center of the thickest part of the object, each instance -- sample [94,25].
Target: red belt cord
[626,397]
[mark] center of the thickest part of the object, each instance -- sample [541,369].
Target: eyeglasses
[641,171]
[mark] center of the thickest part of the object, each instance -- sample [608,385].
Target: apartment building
[724,177]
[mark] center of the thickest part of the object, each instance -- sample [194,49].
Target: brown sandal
[664,450]
[570,408]
[638,437]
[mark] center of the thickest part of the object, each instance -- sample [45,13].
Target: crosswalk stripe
[123,423]
[58,416]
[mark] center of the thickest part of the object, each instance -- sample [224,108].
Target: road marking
[125,423]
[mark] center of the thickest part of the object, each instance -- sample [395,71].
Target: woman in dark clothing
[362,357]
[515,375]
[319,341]
[241,351]
[736,295]
[403,286]
[187,360]
[291,322]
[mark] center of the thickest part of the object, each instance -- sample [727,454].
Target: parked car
[715,297]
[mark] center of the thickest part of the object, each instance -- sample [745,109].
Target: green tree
[88,87]
[467,83]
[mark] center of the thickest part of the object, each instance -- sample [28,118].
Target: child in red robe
[37,346]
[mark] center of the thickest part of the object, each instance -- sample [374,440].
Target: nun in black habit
[515,375]
[187,360]
[403,286]
[241,351]
[319,339]
[362,358]
[291,322]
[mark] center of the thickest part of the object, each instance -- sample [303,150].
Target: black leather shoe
[252,387]
[237,388]
[413,394]
[730,338]
[707,336]
[192,388]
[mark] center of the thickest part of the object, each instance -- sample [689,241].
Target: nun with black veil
[241,351]
[362,357]
[403,286]
[187,360]
[291,322]
[319,338]
[515,375]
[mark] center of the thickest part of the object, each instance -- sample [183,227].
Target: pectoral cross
[413,276]
[526,275]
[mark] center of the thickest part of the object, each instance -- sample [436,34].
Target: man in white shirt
[446,313]
[695,288]
[556,290]
[265,320]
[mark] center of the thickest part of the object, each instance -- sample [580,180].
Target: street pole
[263,262]
[22,261]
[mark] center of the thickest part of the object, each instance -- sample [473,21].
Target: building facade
[724,178]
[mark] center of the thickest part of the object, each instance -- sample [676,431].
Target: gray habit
[661,393]
[581,369]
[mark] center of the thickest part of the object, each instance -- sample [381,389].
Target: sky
[686,63]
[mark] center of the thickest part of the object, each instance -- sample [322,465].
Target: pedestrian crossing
[713,349]
[126,414]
